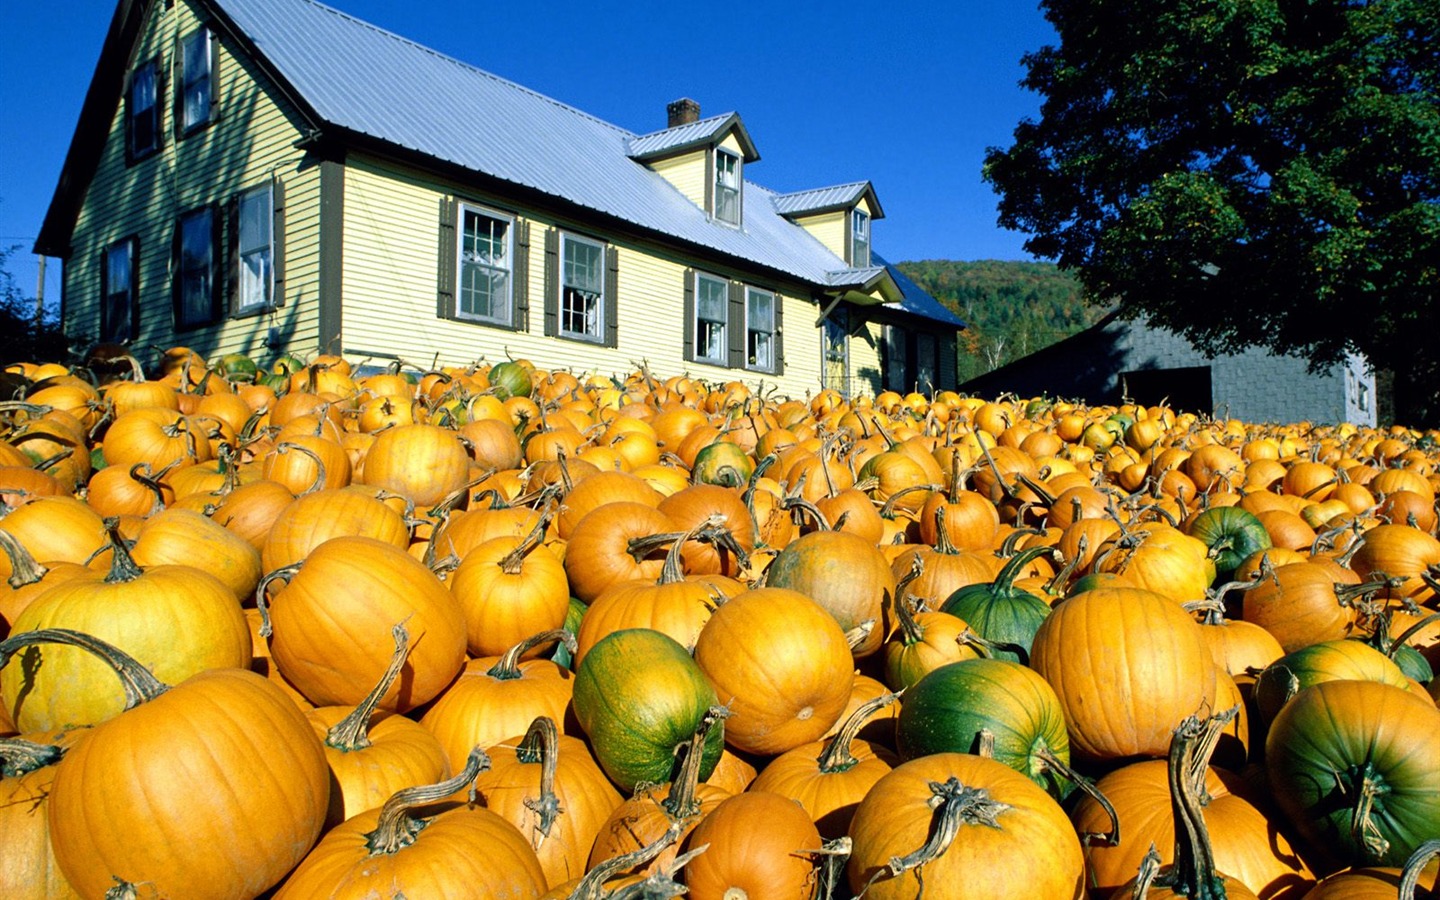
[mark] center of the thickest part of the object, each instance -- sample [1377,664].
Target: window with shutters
[582,288]
[486,259]
[142,111]
[255,250]
[712,304]
[859,238]
[194,286]
[760,329]
[727,187]
[196,81]
[118,273]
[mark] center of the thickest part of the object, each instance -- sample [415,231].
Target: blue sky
[906,94]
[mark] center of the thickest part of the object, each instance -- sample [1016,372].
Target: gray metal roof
[823,199]
[369,81]
[692,134]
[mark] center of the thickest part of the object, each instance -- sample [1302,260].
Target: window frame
[131,246]
[897,359]
[270,298]
[723,359]
[183,83]
[508,320]
[750,330]
[133,152]
[721,188]
[181,271]
[601,297]
[859,237]
[926,343]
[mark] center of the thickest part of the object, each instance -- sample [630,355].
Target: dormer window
[859,238]
[727,187]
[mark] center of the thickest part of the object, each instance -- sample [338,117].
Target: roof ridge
[385,32]
[714,118]
[825,187]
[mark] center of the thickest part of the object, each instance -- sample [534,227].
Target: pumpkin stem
[123,568]
[1410,875]
[320,474]
[1005,581]
[396,829]
[1053,587]
[1193,872]
[1149,868]
[352,732]
[672,572]
[887,509]
[810,509]
[24,569]
[1363,831]
[262,591]
[988,649]
[514,561]
[21,757]
[857,636]
[680,803]
[1404,636]
[943,544]
[141,473]
[836,757]
[139,683]
[1007,546]
[1038,489]
[542,745]
[508,666]
[1049,761]
[911,632]
[592,886]
[955,804]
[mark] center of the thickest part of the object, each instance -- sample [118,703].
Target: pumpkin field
[318,630]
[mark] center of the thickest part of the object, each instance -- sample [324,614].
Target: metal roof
[914,298]
[365,80]
[692,134]
[825,199]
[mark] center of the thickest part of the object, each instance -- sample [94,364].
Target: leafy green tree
[1245,172]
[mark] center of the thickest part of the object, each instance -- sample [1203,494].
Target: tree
[22,338]
[1244,172]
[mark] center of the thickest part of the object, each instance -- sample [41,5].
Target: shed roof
[828,199]
[690,135]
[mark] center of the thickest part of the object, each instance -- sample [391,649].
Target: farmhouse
[265,176]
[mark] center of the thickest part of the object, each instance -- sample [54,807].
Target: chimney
[682,112]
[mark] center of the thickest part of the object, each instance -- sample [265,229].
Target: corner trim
[329,330]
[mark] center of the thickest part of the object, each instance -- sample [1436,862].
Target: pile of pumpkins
[318,630]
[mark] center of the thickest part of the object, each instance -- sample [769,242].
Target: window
[759,330]
[117,291]
[195,269]
[255,250]
[582,288]
[896,359]
[142,111]
[727,187]
[927,359]
[859,238]
[712,301]
[197,83]
[1362,396]
[486,260]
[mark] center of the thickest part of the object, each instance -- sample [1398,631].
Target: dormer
[703,158]
[839,217]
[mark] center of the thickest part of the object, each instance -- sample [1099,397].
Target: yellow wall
[829,229]
[686,172]
[250,141]
[391,240]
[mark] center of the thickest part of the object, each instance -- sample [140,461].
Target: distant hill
[1012,308]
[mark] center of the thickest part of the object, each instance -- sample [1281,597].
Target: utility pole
[40,298]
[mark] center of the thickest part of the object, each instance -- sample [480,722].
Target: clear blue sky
[904,93]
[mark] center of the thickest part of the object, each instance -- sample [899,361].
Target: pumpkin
[1000,612]
[1128,665]
[1299,603]
[638,695]
[508,589]
[607,547]
[1384,882]
[846,576]
[780,664]
[727,520]
[28,765]
[756,846]
[182,761]
[1355,766]
[327,624]
[423,463]
[1231,534]
[184,537]
[455,850]
[1326,661]
[962,827]
[550,788]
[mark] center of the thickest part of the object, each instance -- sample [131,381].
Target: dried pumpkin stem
[320,474]
[542,745]
[262,591]
[352,732]
[396,829]
[592,886]
[955,804]
[24,569]
[1055,764]
[680,803]
[139,684]
[836,757]
[21,757]
[508,666]
[1415,865]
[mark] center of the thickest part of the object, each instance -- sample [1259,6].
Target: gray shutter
[552,282]
[106,327]
[689,310]
[175,275]
[217,261]
[277,242]
[445,280]
[710,181]
[214,112]
[520,277]
[611,302]
[887,378]
[735,326]
[779,339]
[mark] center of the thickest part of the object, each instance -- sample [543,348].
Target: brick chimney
[682,112]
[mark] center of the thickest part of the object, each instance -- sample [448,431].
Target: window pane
[760,310]
[143,109]
[196,275]
[196,63]
[255,220]
[583,283]
[484,267]
[583,266]
[711,299]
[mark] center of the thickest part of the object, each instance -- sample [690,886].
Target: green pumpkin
[237,367]
[573,614]
[1232,534]
[1344,659]
[945,712]
[1000,612]
[510,380]
[638,696]
[722,463]
[1355,765]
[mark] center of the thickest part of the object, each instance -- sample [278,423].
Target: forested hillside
[1012,308]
